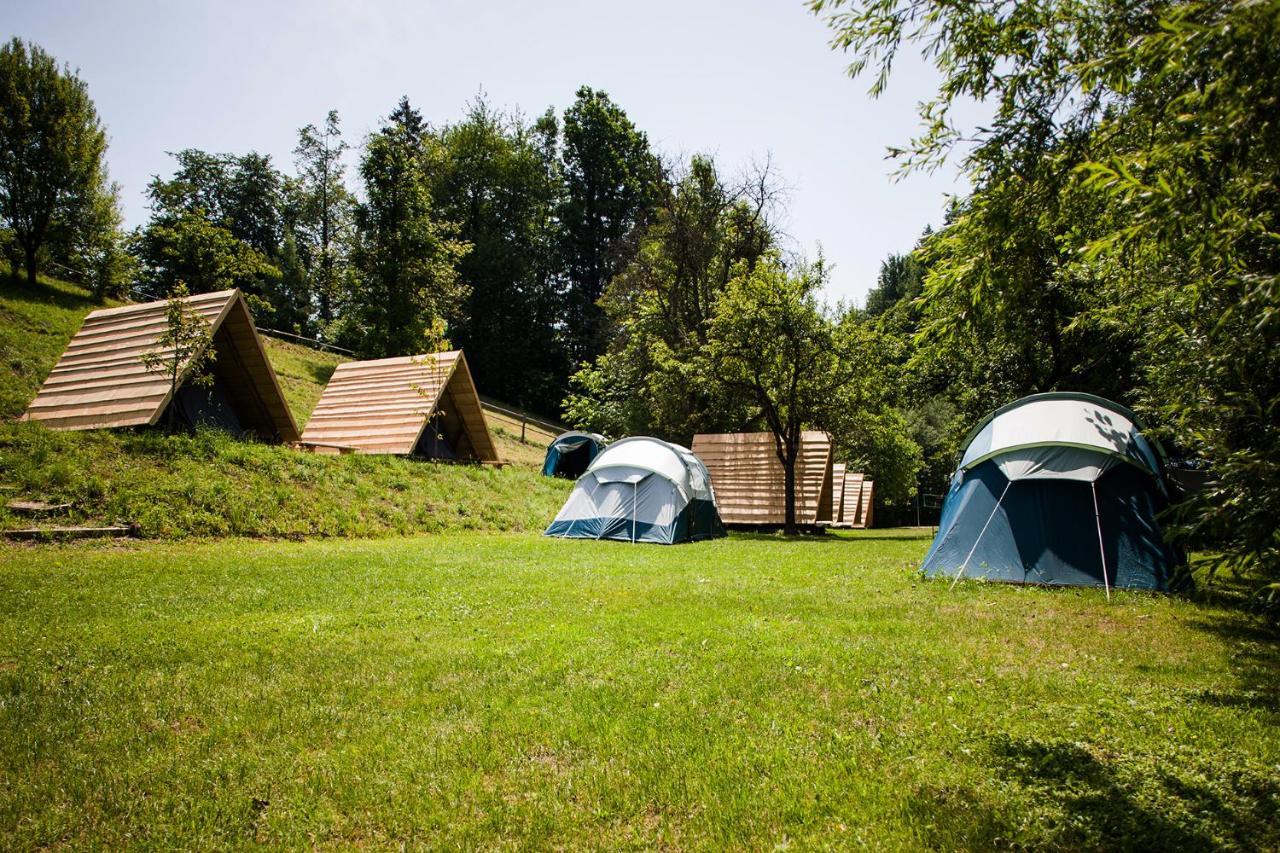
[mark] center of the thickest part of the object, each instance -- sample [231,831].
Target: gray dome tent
[641,490]
[571,452]
[1059,489]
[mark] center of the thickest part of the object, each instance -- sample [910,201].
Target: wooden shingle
[384,406]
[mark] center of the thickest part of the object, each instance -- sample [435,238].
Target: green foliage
[804,367]
[53,182]
[901,278]
[660,305]
[497,178]
[406,257]
[483,691]
[216,225]
[1122,235]
[321,216]
[612,184]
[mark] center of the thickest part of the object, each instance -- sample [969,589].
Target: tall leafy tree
[322,218]
[613,183]
[217,224]
[660,305]
[1124,207]
[406,258]
[52,176]
[799,363]
[498,179]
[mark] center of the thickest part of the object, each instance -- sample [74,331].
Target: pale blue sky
[742,80]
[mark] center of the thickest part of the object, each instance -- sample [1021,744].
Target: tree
[660,306]
[51,149]
[901,277]
[323,217]
[612,185]
[497,178]
[217,224]
[406,259]
[1122,229]
[184,350]
[800,364]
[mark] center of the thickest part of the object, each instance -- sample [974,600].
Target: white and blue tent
[641,490]
[1057,489]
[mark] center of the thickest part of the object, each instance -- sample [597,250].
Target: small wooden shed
[100,380]
[422,405]
[749,483]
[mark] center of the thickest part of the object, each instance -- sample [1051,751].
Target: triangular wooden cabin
[749,483]
[422,405]
[101,382]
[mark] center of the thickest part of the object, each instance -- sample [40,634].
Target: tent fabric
[1058,421]
[1039,506]
[641,490]
[571,453]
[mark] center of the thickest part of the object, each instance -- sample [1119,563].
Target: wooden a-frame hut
[424,405]
[749,482]
[100,380]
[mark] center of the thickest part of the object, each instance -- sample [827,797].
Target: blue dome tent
[641,490]
[571,453]
[1058,489]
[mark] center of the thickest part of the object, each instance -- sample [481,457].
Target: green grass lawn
[504,690]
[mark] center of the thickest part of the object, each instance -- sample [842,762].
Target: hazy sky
[741,80]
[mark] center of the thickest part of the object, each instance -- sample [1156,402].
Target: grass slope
[208,484]
[469,691]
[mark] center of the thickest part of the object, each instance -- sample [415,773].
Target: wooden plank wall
[382,406]
[837,492]
[748,478]
[100,380]
[858,495]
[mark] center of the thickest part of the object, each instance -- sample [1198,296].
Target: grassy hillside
[510,692]
[209,484]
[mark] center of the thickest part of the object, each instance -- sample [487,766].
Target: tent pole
[635,487]
[968,556]
[1102,552]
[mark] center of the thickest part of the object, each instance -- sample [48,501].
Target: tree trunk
[789,491]
[31,265]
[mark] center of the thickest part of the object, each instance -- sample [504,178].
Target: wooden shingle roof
[748,478]
[100,380]
[383,406]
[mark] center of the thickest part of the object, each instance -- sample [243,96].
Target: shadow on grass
[1060,795]
[320,373]
[1255,663]
[66,297]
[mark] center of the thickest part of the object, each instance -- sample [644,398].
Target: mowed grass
[507,690]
